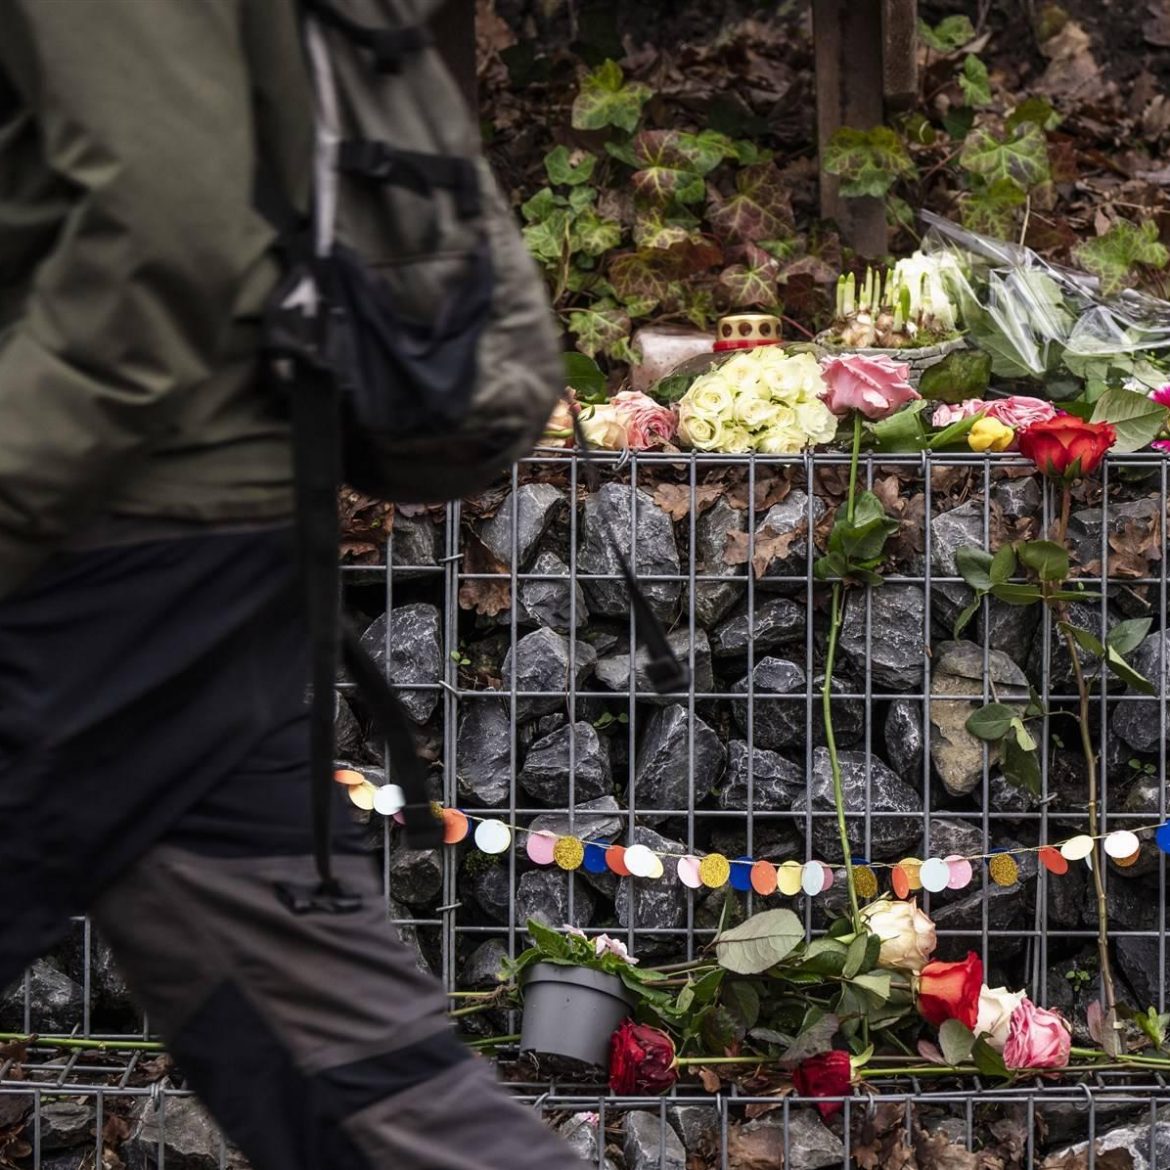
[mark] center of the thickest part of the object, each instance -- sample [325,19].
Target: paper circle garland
[900,882]
[569,852]
[1123,843]
[492,836]
[594,858]
[865,881]
[812,878]
[935,875]
[741,874]
[540,846]
[639,860]
[961,872]
[1132,859]
[348,777]
[1053,860]
[714,870]
[912,868]
[615,858]
[763,878]
[363,795]
[389,799]
[1162,837]
[1003,869]
[829,877]
[789,878]
[455,826]
[657,868]
[688,872]
[1077,848]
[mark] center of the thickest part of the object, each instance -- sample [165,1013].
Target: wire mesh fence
[506,623]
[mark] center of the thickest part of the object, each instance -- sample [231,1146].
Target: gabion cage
[505,622]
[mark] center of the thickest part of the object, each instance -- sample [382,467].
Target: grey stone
[1006,797]
[484,967]
[1136,1140]
[956,754]
[546,770]
[771,840]
[954,838]
[775,781]
[65,1124]
[778,622]
[13,1107]
[713,599]
[1085,527]
[416,655]
[1018,497]
[55,999]
[808,1143]
[1007,909]
[415,544]
[542,661]
[416,875]
[487,880]
[905,741]
[1009,628]
[1132,903]
[613,671]
[949,532]
[1059,669]
[653,905]
[347,732]
[791,515]
[536,506]
[650,1144]
[1069,899]
[606,537]
[580,1133]
[895,650]
[891,835]
[663,772]
[550,603]
[408,934]
[483,753]
[1138,960]
[697,1125]
[1138,721]
[543,894]
[189,1138]
[777,723]
[593,820]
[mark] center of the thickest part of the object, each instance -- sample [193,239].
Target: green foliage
[1113,257]
[956,1041]
[991,208]
[1021,156]
[601,329]
[607,99]
[975,82]
[759,209]
[948,36]
[1136,418]
[1035,110]
[869,162]
[760,942]
[569,169]
[1111,656]
[856,546]
[584,376]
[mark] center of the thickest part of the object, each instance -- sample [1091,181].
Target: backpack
[410,334]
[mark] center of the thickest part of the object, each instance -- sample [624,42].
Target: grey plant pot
[572,1012]
[919,360]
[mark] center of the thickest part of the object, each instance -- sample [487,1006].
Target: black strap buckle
[328,897]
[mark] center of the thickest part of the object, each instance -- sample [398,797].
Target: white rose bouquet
[761,399]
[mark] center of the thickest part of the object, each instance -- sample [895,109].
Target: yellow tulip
[989,434]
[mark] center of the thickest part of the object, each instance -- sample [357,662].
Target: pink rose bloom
[1018,411]
[871,383]
[1037,1038]
[946,414]
[647,423]
[1162,445]
[1162,396]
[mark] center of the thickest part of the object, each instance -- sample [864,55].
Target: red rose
[950,991]
[641,1060]
[1066,447]
[827,1075]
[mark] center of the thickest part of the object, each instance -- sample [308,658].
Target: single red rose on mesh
[641,1060]
[950,991]
[827,1075]
[1066,447]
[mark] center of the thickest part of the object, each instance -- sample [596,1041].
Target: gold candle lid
[747,330]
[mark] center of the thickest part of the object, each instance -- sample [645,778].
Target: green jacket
[133,268]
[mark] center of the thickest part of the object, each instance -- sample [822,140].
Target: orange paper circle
[348,777]
[900,881]
[455,826]
[764,878]
[1053,860]
[615,858]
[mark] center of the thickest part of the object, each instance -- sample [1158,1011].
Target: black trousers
[153,773]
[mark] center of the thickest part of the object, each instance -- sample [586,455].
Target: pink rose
[647,423]
[947,414]
[1018,411]
[873,384]
[1037,1038]
[1162,445]
[1161,396]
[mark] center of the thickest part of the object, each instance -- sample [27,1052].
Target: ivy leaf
[759,210]
[651,275]
[571,169]
[600,330]
[1136,418]
[664,185]
[753,282]
[990,208]
[759,943]
[1113,257]
[1021,157]
[974,82]
[541,205]
[593,235]
[1047,559]
[651,231]
[869,162]
[949,34]
[956,1041]
[1035,110]
[547,239]
[607,99]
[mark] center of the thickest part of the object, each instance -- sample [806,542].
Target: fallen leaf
[1135,547]
[1156,29]
[710,1080]
[759,1148]
[675,498]
[487,597]
[768,547]
[937,1152]
[116,1129]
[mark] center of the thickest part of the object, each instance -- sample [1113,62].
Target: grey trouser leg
[313,1039]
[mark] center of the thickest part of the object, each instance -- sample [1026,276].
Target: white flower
[756,411]
[603,944]
[699,431]
[603,426]
[576,931]
[996,1005]
[816,420]
[907,934]
[781,440]
[712,396]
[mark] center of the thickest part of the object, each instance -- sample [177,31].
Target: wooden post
[865,56]
[454,28]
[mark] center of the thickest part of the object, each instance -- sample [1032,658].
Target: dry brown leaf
[710,1079]
[768,547]
[1134,548]
[675,498]
[761,1148]
[1115,1159]
[935,1151]
[1156,29]
[487,597]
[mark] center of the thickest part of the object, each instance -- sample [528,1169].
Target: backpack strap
[410,168]
[390,46]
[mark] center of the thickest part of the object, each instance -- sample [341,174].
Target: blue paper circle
[594,858]
[741,873]
[1162,836]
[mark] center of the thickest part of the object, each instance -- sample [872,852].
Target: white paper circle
[640,861]
[659,869]
[493,836]
[1122,844]
[812,880]
[1077,848]
[935,874]
[688,872]
[389,799]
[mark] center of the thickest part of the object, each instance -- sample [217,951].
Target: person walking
[153,659]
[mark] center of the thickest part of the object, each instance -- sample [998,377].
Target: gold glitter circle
[1004,870]
[569,852]
[714,870]
[865,881]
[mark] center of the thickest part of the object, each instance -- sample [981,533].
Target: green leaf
[1003,564]
[553,943]
[672,388]
[1128,635]
[743,1001]
[584,376]
[868,162]
[1113,257]
[1035,110]
[992,722]
[1017,594]
[1021,157]
[1020,767]
[607,99]
[752,283]
[1086,640]
[956,1041]
[542,205]
[720,1029]
[875,984]
[991,207]
[1023,737]
[988,1061]
[951,33]
[1127,674]
[974,82]
[966,614]
[902,431]
[862,540]
[1136,418]
[1047,559]
[760,209]
[855,958]
[593,235]
[600,330]
[571,169]
[816,1036]
[1112,655]
[974,566]
[825,957]
[760,942]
